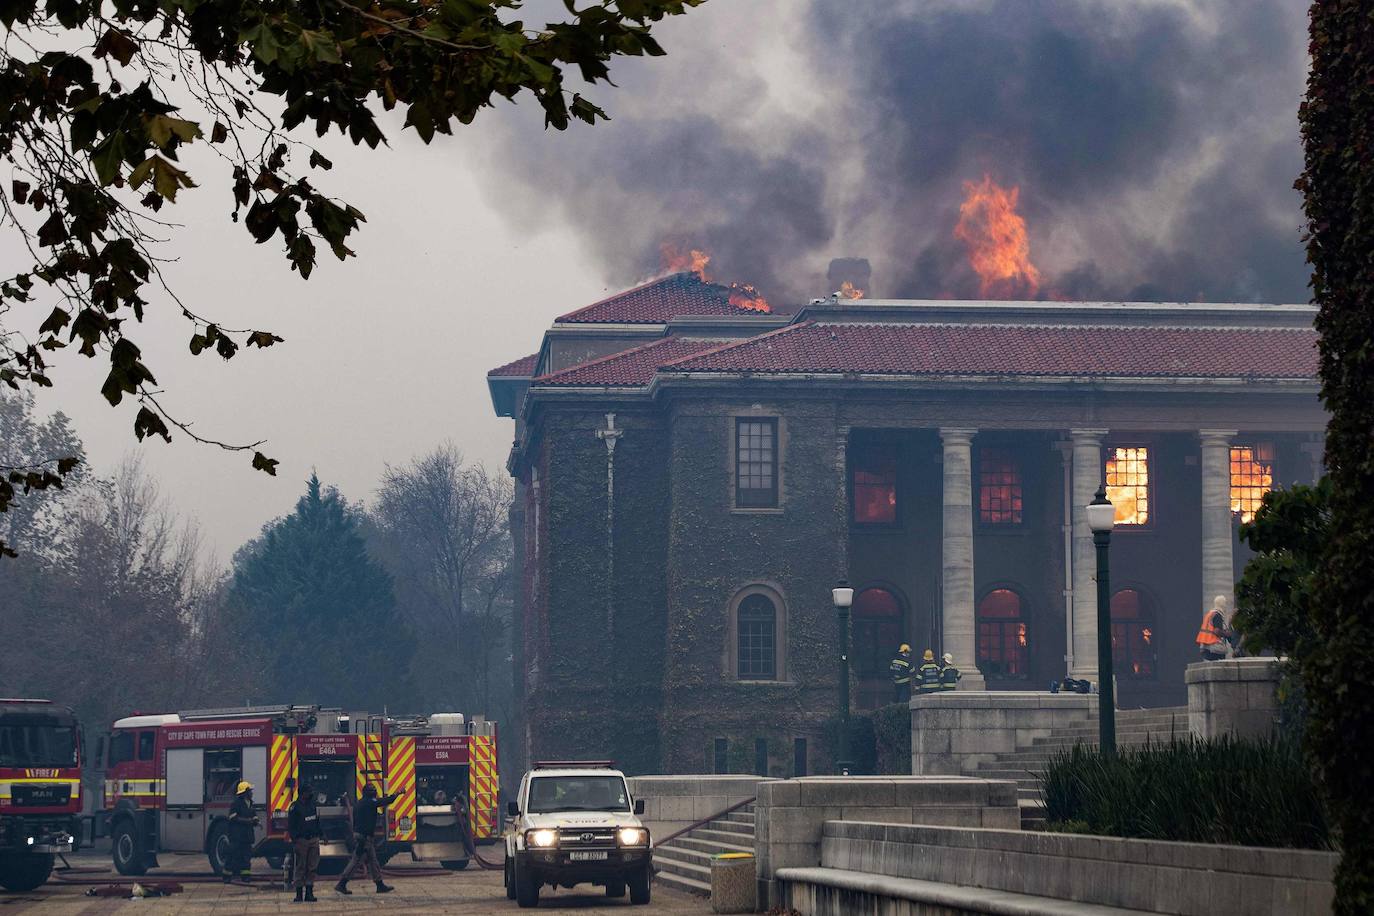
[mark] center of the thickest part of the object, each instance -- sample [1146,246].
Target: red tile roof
[631,368]
[521,368]
[660,301]
[1129,352]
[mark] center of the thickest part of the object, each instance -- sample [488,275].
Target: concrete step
[668,864]
[683,883]
[685,854]
[741,816]
[691,842]
[732,827]
[723,838]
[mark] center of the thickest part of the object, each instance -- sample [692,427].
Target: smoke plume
[1154,144]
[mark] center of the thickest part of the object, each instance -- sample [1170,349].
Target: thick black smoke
[1155,144]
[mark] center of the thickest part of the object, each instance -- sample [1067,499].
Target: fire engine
[40,789]
[169,779]
[445,769]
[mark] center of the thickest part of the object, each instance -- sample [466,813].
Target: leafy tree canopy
[319,611]
[100,100]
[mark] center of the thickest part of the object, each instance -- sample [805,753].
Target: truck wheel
[126,848]
[526,887]
[639,886]
[276,863]
[24,872]
[615,889]
[217,850]
[509,879]
[454,864]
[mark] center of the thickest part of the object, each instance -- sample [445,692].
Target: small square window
[756,463]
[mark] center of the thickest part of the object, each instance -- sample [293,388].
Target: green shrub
[892,737]
[863,753]
[1247,793]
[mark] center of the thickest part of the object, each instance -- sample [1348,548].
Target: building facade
[694,477]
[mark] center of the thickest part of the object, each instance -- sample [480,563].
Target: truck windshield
[37,745]
[578,793]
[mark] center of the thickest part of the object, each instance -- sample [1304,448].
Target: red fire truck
[40,789]
[169,779]
[445,769]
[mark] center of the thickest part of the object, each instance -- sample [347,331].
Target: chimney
[854,271]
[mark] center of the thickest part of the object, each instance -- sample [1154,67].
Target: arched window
[879,629]
[1003,647]
[756,633]
[1133,635]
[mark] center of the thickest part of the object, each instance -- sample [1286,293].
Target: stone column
[957,555]
[1087,477]
[1218,569]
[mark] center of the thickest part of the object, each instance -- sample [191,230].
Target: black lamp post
[1101,519]
[843,596]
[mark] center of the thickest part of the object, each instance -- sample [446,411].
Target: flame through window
[1128,484]
[999,487]
[1252,475]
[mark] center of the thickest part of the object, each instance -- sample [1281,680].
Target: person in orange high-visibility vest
[1213,637]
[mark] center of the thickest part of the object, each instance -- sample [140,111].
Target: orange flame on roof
[850,291]
[694,260]
[998,249]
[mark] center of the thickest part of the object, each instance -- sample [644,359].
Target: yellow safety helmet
[244,786]
[929,656]
[904,648]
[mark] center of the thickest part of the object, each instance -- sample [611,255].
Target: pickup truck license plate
[598,856]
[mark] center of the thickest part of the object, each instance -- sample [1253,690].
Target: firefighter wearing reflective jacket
[303,831]
[949,675]
[928,675]
[242,820]
[900,669]
[1213,636]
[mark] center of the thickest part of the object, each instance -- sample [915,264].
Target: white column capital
[957,435]
[1088,436]
[1217,436]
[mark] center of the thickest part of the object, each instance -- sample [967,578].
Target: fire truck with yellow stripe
[169,779]
[445,768]
[40,789]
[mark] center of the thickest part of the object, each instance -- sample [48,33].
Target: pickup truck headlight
[632,836]
[542,839]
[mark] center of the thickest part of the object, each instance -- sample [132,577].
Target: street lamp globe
[1101,512]
[842,594]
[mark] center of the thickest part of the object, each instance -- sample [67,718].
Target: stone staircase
[1133,727]
[685,863]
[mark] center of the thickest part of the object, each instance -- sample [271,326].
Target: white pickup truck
[575,823]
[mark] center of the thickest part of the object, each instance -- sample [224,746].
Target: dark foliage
[1245,793]
[863,746]
[1337,119]
[892,739]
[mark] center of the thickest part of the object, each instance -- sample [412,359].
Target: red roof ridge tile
[600,359]
[674,300]
[511,369]
[730,344]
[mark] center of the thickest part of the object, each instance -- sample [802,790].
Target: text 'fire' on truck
[40,789]
[446,771]
[170,779]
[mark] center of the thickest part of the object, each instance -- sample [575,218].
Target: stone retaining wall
[674,802]
[789,815]
[953,731]
[1192,879]
[1235,696]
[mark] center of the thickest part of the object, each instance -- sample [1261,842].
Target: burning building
[694,476]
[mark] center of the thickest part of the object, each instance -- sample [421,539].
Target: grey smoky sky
[1154,142]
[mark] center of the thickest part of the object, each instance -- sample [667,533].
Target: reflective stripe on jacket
[930,676]
[949,677]
[900,669]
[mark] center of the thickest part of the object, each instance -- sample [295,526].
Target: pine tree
[318,612]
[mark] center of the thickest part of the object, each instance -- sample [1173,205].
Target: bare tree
[442,528]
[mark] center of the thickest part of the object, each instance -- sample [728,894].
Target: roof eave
[1020,382]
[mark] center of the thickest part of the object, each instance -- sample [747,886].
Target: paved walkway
[468,892]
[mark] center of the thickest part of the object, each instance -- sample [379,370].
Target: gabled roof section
[660,301]
[1019,350]
[630,369]
[520,368]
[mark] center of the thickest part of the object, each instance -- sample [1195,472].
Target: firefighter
[900,670]
[928,675]
[1213,637]
[364,836]
[242,820]
[949,675]
[303,832]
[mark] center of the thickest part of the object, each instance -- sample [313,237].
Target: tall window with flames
[999,487]
[873,472]
[1003,646]
[1252,475]
[1133,635]
[1128,483]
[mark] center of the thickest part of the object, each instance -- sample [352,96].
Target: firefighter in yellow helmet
[242,820]
[928,675]
[900,669]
